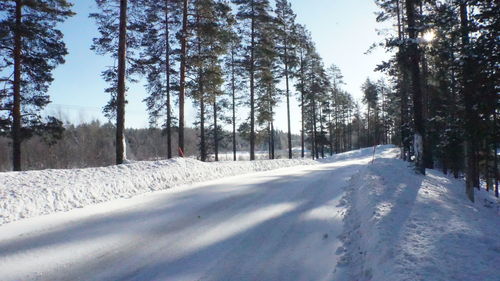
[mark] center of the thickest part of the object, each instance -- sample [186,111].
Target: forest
[438,101]
[71,150]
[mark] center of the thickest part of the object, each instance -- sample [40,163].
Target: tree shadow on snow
[161,244]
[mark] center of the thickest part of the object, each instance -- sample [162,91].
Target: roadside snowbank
[404,226]
[33,193]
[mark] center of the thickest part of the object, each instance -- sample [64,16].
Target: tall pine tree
[118,38]
[31,47]
[255,20]
[285,18]
[235,75]
[161,22]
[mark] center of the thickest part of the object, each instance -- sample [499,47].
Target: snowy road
[275,225]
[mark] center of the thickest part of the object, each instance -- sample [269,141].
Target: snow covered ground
[404,226]
[33,193]
[275,225]
[342,218]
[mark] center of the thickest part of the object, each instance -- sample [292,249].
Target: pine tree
[183,35]
[456,79]
[223,34]
[358,121]
[486,20]
[315,89]
[119,39]
[472,175]
[336,80]
[212,33]
[197,64]
[235,81]
[303,44]
[31,47]
[266,88]
[161,22]
[383,90]
[255,19]
[444,134]
[370,91]
[398,67]
[416,86]
[286,40]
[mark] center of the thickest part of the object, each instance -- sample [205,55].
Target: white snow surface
[33,193]
[273,225]
[344,218]
[403,226]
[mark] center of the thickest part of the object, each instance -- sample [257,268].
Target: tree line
[223,55]
[444,79]
[72,149]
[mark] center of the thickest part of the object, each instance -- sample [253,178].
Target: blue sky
[342,29]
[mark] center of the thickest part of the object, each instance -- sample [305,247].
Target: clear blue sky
[342,29]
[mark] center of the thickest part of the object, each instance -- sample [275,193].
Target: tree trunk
[302,105]
[419,134]
[336,122]
[346,143]
[302,148]
[182,81]
[495,145]
[272,140]
[330,129]
[453,159]
[167,74]
[16,108]
[359,132]
[252,73]
[404,100]
[405,134]
[271,129]
[428,160]
[216,136]
[350,129]
[288,103]
[233,92]
[322,131]
[488,169]
[203,147]
[203,151]
[120,95]
[384,125]
[368,139]
[471,145]
[314,140]
[398,11]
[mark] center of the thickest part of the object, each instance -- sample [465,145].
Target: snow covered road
[275,225]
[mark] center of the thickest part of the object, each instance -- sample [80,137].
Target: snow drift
[33,193]
[404,226]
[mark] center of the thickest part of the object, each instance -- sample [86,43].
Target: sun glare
[429,36]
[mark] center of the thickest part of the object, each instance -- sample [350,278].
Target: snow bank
[33,193]
[404,226]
